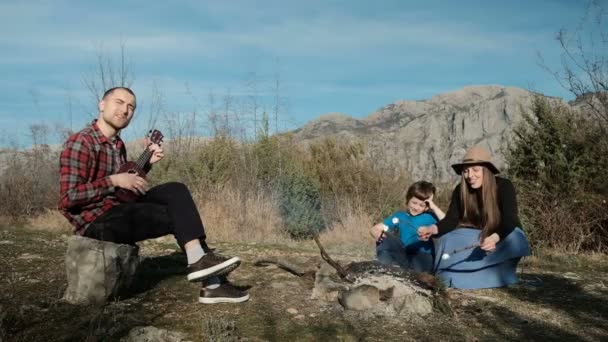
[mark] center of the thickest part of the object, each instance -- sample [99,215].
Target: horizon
[346,57]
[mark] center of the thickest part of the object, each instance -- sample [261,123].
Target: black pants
[392,252]
[165,209]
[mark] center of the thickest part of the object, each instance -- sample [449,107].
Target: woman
[481,239]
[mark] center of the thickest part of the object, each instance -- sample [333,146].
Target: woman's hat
[476,155]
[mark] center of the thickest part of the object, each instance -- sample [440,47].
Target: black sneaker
[225,293]
[212,265]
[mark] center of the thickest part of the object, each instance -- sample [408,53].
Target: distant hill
[425,137]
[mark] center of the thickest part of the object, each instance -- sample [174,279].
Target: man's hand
[130,181]
[157,153]
[489,243]
[425,232]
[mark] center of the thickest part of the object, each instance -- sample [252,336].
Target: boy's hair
[422,190]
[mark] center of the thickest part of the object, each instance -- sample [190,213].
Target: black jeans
[391,251]
[165,209]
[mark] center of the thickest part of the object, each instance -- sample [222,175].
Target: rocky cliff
[426,137]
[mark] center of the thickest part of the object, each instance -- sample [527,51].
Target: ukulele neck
[143,159]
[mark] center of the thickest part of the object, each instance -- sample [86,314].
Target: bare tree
[584,61]
[107,73]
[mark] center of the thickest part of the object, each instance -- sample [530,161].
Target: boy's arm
[438,212]
[75,162]
[379,229]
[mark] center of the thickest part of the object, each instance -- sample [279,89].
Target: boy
[407,250]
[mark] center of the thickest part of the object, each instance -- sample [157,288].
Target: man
[88,180]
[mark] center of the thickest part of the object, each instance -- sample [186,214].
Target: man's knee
[176,186]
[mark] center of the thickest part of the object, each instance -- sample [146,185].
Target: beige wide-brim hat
[476,155]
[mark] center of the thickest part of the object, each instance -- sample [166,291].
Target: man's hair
[111,90]
[422,190]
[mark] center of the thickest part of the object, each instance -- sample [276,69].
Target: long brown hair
[480,206]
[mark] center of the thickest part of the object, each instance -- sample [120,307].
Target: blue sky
[329,56]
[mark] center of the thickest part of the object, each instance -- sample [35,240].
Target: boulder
[386,294]
[375,288]
[98,270]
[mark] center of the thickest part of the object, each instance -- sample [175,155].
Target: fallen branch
[341,272]
[289,267]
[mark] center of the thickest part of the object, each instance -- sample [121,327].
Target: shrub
[558,161]
[29,182]
[345,173]
[300,203]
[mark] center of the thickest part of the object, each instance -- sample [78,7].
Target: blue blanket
[473,268]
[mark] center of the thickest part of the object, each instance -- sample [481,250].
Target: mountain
[425,137]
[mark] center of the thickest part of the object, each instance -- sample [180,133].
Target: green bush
[558,161]
[345,172]
[300,204]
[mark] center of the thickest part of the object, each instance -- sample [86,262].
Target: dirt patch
[561,297]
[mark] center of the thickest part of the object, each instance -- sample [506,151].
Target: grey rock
[152,334]
[396,296]
[425,137]
[98,270]
[375,289]
[325,287]
[362,297]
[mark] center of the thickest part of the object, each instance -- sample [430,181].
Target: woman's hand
[489,243]
[425,232]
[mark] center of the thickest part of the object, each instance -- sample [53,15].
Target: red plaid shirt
[86,162]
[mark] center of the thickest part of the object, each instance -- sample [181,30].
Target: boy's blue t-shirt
[408,229]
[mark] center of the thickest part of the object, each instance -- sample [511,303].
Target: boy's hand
[430,204]
[377,232]
[425,232]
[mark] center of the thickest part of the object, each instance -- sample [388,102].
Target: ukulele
[124,195]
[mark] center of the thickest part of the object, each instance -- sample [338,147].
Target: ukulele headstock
[155,136]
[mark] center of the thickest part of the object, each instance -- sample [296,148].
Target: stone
[97,270]
[398,296]
[363,297]
[325,288]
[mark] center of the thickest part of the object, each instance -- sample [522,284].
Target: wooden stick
[289,267]
[458,250]
[341,272]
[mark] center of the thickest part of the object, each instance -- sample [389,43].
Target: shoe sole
[219,269]
[218,300]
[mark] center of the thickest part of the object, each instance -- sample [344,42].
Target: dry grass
[50,220]
[229,215]
[352,230]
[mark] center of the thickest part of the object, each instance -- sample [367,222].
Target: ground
[561,298]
